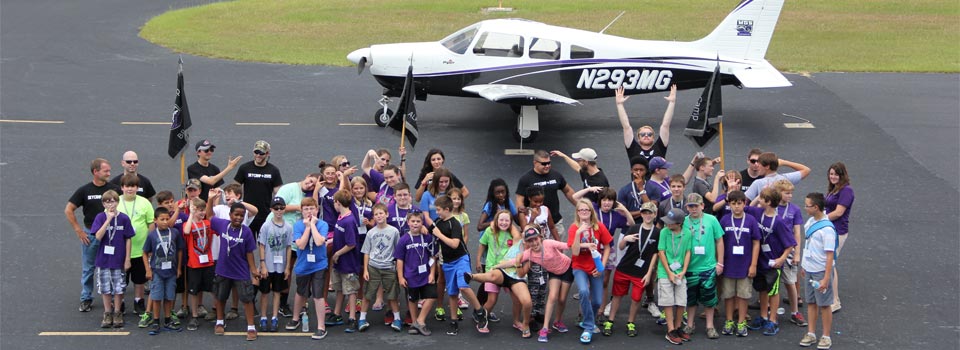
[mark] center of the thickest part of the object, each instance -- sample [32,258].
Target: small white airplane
[526,64]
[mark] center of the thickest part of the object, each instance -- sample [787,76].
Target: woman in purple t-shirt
[839,202]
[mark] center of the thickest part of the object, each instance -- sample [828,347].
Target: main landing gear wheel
[527,136]
[382,118]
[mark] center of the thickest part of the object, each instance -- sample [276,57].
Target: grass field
[811,36]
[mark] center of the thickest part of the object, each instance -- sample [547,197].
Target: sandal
[518,327]
[586,336]
[525,333]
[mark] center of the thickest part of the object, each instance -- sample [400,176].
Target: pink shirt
[551,256]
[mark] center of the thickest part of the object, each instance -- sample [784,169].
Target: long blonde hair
[593,213]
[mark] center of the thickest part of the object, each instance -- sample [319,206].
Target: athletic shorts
[382,278]
[244,287]
[311,285]
[622,283]
[273,283]
[163,288]
[566,276]
[671,294]
[789,274]
[812,295]
[137,272]
[702,288]
[183,273]
[767,281]
[453,274]
[426,291]
[508,281]
[348,283]
[200,280]
[736,287]
[111,281]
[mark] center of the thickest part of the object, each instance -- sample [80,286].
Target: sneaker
[285,311]
[407,320]
[202,312]
[797,319]
[631,329]
[771,328]
[607,328]
[482,318]
[117,320]
[107,320]
[467,277]
[182,313]
[363,325]
[145,320]
[154,329]
[139,306]
[712,333]
[685,332]
[274,325]
[454,328]
[251,334]
[211,316]
[292,325]
[662,320]
[351,326]
[263,325]
[586,337]
[674,338]
[756,323]
[319,334]
[174,320]
[560,327]
[683,319]
[440,314]
[542,336]
[742,329]
[728,326]
[218,329]
[606,310]
[825,343]
[493,317]
[462,304]
[808,340]
[333,320]
[86,305]
[576,296]
[388,319]
[654,310]
[232,314]
[396,325]
[170,327]
[459,314]
[193,324]
[422,328]
[833,308]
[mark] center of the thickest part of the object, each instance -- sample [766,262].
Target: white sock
[363,316]
[812,334]
[219,322]
[263,318]
[396,315]
[250,327]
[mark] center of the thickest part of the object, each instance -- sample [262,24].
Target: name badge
[278,259]
[541,281]
[204,259]
[639,263]
[431,262]
[108,249]
[771,262]
[311,258]
[675,266]
[166,265]
[738,250]
[765,248]
[362,229]
[422,268]
[699,250]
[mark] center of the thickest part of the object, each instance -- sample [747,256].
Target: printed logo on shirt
[93,197]
[545,183]
[734,229]
[340,229]
[418,245]
[259,176]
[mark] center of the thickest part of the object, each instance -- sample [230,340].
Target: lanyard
[665,188]
[738,231]
[133,209]
[676,246]
[767,230]
[636,195]
[112,230]
[361,210]
[420,249]
[200,242]
[165,244]
[647,240]
[609,221]
[232,239]
[402,220]
[672,205]
[276,237]
[700,232]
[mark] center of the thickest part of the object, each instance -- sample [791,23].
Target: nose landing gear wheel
[382,118]
[526,136]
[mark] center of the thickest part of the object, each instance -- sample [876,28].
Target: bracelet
[719,264]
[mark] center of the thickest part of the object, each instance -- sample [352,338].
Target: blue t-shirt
[235,243]
[344,235]
[657,190]
[303,266]
[119,230]
[165,247]
[631,196]
[427,206]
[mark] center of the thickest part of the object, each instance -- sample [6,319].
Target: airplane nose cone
[359,54]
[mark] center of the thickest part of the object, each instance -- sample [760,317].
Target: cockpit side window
[580,52]
[545,49]
[459,42]
[499,45]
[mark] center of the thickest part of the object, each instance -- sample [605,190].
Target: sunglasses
[259,152]
[754,161]
[344,164]
[209,150]
[547,163]
[278,208]
[131,161]
[691,205]
[646,134]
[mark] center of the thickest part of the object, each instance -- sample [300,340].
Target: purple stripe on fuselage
[568,62]
[742,5]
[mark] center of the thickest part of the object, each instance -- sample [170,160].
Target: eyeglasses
[109,200]
[809,206]
[645,134]
[583,210]
[131,161]
[344,164]
[259,152]
[691,205]
[754,161]
[547,163]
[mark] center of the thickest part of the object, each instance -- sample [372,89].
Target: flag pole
[403,128]
[722,159]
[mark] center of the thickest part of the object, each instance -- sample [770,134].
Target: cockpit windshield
[459,42]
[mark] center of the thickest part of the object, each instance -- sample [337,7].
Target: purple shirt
[612,220]
[791,215]
[738,265]
[329,213]
[384,191]
[345,235]
[121,230]
[726,207]
[371,182]
[235,243]
[755,212]
[776,234]
[414,252]
[843,197]
[397,217]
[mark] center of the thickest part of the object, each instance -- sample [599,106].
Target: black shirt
[146,187]
[551,183]
[453,230]
[258,183]
[598,179]
[88,196]
[657,150]
[648,239]
[747,180]
[196,171]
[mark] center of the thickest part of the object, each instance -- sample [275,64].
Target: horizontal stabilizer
[505,92]
[761,76]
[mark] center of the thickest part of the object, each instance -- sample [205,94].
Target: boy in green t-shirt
[706,263]
[674,254]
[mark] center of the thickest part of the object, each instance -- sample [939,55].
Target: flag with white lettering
[405,119]
[180,121]
[706,113]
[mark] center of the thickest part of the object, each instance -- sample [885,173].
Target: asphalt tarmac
[80,67]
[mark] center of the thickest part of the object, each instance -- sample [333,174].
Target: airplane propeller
[361,65]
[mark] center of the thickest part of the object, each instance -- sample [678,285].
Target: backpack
[821,224]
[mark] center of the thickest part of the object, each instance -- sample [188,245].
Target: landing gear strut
[383,114]
[528,124]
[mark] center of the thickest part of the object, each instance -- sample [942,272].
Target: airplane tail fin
[746,31]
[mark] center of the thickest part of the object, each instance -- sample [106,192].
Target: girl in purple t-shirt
[839,202]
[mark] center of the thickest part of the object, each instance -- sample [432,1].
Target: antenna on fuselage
[612,22]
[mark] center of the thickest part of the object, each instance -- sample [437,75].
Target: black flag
[406,111]
[706,113]
[181,118]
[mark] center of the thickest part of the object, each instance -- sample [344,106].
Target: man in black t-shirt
[551,181]
[131,162]
[208,174]
[260,181]
[752,172]
[646,144]
[88,198]
[585,164]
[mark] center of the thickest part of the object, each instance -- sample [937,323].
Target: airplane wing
[505,92]
[761,76]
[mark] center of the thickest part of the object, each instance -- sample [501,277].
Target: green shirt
[675,247]
[497,245]
[705,232]
[140,212]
